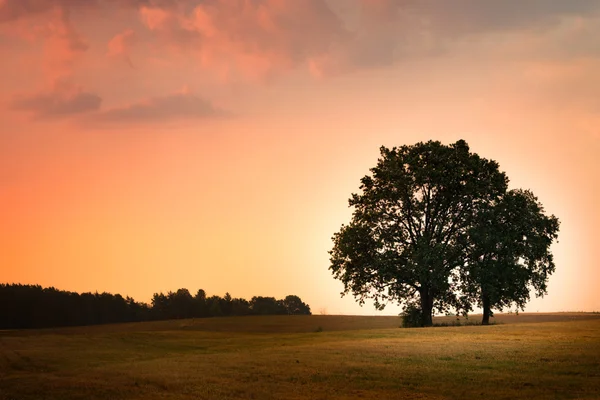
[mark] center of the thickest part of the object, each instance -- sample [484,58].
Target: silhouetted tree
[294,306]
[509,251]
[182,304]
[214,306]
[31,306]
[266,306]
[404,240]
[240,307]
[160,306]
[201,308]
[226,304]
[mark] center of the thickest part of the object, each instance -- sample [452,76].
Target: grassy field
[529,356]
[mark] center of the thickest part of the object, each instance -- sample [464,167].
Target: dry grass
[284,358]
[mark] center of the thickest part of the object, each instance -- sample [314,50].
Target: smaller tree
[295,306]
[160,306]
[240,306]
[213,304]
[509,253]
[182,304]
[266,306]
[200,305]
[227,304]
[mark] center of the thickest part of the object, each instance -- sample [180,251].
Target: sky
[151,145]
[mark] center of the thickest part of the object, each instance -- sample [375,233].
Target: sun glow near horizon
[115,179]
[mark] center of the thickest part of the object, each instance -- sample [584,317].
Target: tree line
[436,228]
[32,306]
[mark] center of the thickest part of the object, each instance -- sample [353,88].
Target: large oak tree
[405,241]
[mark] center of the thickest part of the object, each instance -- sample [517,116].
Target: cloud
[265,38]
[170,25]
[378,32]
[388,31]
[120,46]
[61,101]
[12,10]
[179,105]
[56,21]
[121,43]
[474,16]
[66,100]
[252,38]
[66,37]
[257,38]
[61,44]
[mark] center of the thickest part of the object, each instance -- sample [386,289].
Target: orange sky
[148,145]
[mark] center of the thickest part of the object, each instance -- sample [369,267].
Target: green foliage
[404,242]
[509,252]
[434,225]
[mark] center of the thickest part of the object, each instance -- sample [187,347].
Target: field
[529,356]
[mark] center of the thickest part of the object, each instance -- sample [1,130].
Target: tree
[200,306]
[160,306]
[240,306]
[266,306]
[181,303]
[509,251]
[227,304]
[404,242]
[295,306]
[214,306]
[31,306]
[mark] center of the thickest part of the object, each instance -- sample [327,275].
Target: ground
[529,356]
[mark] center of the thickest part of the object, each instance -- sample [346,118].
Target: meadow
[528,356]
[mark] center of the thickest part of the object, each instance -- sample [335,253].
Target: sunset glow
[151,145]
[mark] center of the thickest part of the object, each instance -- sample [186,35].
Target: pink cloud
[251,38]
[293,30]
[62,100]
[265,38]
[179,105]
[53,33]
[121,43]
[380,30]
[155,18]
[63,41]
[11,10]
[120,46]
[171,26]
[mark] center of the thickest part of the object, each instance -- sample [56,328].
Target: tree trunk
[426,308]
[486,309]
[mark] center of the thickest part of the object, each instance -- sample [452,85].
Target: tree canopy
[413,237]
[509,252]
[32,306]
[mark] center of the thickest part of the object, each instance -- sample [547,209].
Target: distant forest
[32,306]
